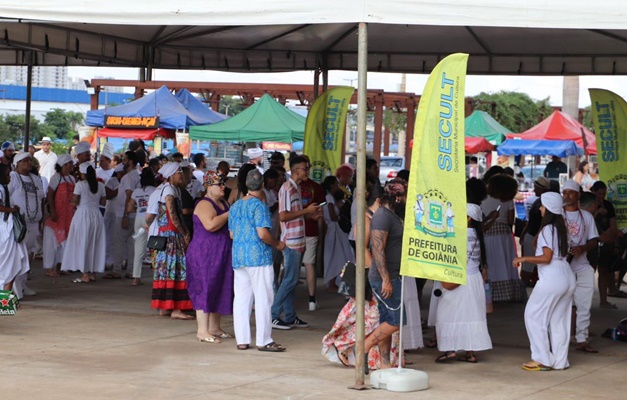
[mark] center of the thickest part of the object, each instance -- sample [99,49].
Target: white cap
[255,152]
[20,156]
[552,202]
[63,159]
[83,167]
[474,212]
[82,147]
[107,151]
[46,139]
[571,185]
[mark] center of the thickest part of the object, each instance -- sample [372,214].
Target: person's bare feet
[164,313]
[52,273]
[178,314]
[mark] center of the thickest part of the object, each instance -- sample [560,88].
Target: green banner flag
[609,114]
[324,131]
[435,230]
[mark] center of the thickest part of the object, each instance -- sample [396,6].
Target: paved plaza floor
[103,341]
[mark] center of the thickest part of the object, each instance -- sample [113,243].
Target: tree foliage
[587,118]
[395,121]
[514,110]
[231,105]
[57,124]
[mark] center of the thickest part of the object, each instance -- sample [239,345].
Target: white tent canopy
[534,37]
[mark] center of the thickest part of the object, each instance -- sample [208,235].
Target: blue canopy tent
[559,148]
[195,106]
[162,103]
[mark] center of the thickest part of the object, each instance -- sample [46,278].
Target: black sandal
[243,346]
[271,347]
[447,356]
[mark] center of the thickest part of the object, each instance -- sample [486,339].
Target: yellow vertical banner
[324,131]
[609,114]
[434,239]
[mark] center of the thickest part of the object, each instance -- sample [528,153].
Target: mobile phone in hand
[324,203]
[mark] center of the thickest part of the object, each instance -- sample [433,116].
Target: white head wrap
[119,168]
[107,151]
[82,147]
[169,169]
[83,167]
[552,202]
[20,156]
[571,185]
[255,152]
[1,154]
[474,212]
[63,159]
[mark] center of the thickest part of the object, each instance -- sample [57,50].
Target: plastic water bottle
[139,232]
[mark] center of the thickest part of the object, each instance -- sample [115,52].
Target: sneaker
[313,306]
[279,324]
[28,291]
[299,323]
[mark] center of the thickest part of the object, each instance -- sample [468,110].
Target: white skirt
[52,250]
[433,304]
[412,330]
[461,317]
[13,255]
[110,223]
[85,246]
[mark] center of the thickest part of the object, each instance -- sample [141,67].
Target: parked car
[389,167]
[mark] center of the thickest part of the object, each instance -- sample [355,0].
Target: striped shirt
[292,231]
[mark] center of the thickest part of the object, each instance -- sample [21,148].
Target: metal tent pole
[360,196]
[29,90]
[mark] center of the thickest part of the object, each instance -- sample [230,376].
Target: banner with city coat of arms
[434,239]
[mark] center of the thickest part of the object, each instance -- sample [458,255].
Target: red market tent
[477,145]
[560,126]
[143,134]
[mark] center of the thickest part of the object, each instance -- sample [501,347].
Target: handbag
[348,276]
[157,243]
[8,302]
[19,222]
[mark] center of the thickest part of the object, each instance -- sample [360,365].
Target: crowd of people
[260,227]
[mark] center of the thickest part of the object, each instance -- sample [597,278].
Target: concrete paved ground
[102,341]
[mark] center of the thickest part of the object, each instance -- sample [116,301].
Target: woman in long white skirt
[57,225]
[548,311]
[461,311]
[337,248]
[14,255]
[85,247]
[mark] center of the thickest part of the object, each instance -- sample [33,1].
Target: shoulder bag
[19,223]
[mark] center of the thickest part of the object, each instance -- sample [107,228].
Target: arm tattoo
[378,241]
[170,203]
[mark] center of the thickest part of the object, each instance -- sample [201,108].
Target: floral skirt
[342,337]
[169,287]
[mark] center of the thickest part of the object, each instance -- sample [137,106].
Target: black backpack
[344,219]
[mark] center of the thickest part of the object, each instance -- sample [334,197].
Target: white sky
[536,87]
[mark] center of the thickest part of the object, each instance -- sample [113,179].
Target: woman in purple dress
[209,270]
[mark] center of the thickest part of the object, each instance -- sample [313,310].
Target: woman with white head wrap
[169,287]
[85,246]
[548,311]
[27,192]
[461,314]
[57,225]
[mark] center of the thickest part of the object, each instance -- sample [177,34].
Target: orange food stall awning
[143,134]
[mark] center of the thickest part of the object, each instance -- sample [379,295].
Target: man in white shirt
[47,159]
[201,165]
[582,237]
[125,221]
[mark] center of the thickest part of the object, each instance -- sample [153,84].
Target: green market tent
[264,121]
[481,124]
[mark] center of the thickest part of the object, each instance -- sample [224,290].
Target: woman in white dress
[337,248]
[461,316]
[85,247]
[548,311]
[57,225]
[14,255]
[582,177]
